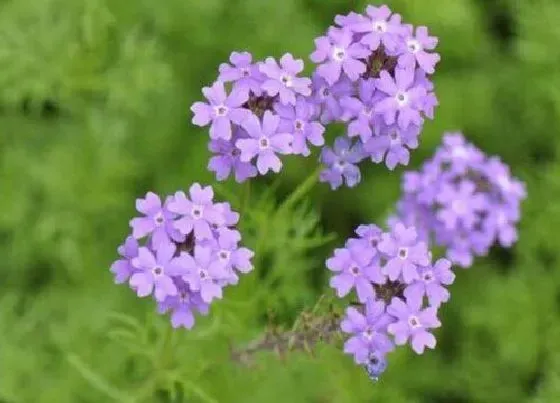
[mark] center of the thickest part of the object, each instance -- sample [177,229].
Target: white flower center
[428,276]
[339,165]
[157,271]
[414,322]
[413,46]
[224,254]
[354,270]
[395,138]
[286,80]
[403,253]
[299,125]
[379,26]
[401,98]
[338,54]
[459,152]
[368,333]
[459,207]
[264,143]
[197,211]
[221,110]
[203,274]
[159,219]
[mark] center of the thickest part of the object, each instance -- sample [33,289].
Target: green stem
[301,190]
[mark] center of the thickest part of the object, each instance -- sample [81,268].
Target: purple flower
[360,110]
[202,275]
[122,268]
[183,305]
[393,146]
[380,28]
[404,98]
[197,213]
[460,205]
[229,255]
[264,143]
[349,19]
[242,72]
[405,253]
[462,200]
[337,53]
[231,218]
[158,221]
[369,331]
[354,269]
[299,121]
[156,272]
[326,97]
[283,81]
[370,233]
[415,51]
[341,162]
[431,283]
[228,158]
[222,110]
[413,323]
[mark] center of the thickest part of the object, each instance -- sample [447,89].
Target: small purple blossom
[122,268]
[222,110]
[403,100]
[227,159]
[413,323]
[369,331]
[405,253]
[341,163]
[202,275]
[415,51]
[155,272]
[336,53]
[244,74]
[158,221]
[354,269]
[264,142]
[183,306]
[198,213]
[300,122]
[379,28]
[431,283]
[282,79]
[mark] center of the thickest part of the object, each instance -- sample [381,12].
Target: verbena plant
[372,74]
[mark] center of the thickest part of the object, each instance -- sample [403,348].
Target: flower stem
[302,189]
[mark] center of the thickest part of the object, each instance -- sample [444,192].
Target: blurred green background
[94,112]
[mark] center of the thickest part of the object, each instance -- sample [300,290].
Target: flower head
[282,80]
[462,200]
[183,273]
[222,110]
[264,142]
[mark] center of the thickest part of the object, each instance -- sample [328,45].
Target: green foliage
[94,112]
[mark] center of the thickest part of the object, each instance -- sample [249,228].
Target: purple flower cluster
[399,291]
[257,111]
[462,200]
[373,75]
[183,251]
